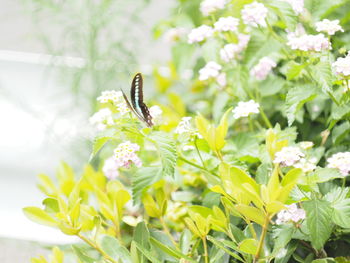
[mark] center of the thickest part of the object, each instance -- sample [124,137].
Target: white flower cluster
[125,155]
[210,70]
[110,168]
[174,34]
[328,26]
[231,51]
[200,33]
[115,97]
[292,213]
[185,127]
[340,161]
[254,14]
[156,113]
[209,6]
[342,66]
[102,119]
[297,5]
[225,24]
[244,109]
[308,42]
[288,156]
[306,165]
[263,68]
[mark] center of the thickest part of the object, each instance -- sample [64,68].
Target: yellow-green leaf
[249,246]
[39,216]
[251,213]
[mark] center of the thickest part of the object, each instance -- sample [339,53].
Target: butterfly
[137,106]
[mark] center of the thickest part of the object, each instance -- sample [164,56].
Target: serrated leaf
[285,12]
[296,98]
[144,177]
[341,213]
[167,151]
[322,74]
[318,221]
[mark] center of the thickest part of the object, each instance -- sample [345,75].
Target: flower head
[156,113]
[110,168]
[184,125]
[102,119]
[292,213]
[308,42]
[225,24]
[342,66]
[297,5]
[254,14]
[174,34]
[209,6]
[229,52]
[328,26]
[340,161]
[200,33]
[110,96]
[263,68]
[125,154]
[244,109]
[306,165]
[288,156]
[210,70]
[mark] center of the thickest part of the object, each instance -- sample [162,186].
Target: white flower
[342,66]
[229,51]
[156,113]
[125,154]
[210,70]
[263,68]
[200,33]
[111,95]
[292,213]
[209,6]
[102,119]
[288,156]
[174,34]
[244,109]
[110,168]
[221,79]
[328,26]
[184,125]
[254,14]
[188,148]
[308,42]
[225,24]
[243,41]
[340,161]
[297,5]
[306,145]
[306,165]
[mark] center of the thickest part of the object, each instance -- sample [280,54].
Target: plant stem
[266,120]
[205,249]
[95,246]
[195,165]
[198,152]
[262,238]
[166,230]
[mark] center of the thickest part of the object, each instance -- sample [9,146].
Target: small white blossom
[229,52]
[288,156]
[297,5]
[225,24]
[125,154]
[306,145]
[328,26]
[308,42]
[263,68]
[102,119]
[342,66]
[292,213]
[244,109]
[110,168]
[200,33]
[340,161]
[306,165]
[184,125]
[221,79]
[174,34]
[209,6]
[254,14]
[210,70]
[122,107]
[188,148]
[156,113]
[110,96]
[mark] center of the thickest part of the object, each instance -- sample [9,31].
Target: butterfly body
[137,106]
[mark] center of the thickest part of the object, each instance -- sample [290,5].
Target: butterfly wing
[131,107]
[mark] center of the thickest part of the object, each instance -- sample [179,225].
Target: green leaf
[97,145]
[322,74]
[296,98]
[80,253]
[340,132]
[321,175]
[341,213]
[338,112]
[294,70]
[285,13]
[318,221]
[167,151]
[249,246]
[146,253]
[222,246]
[170,251]
[39,216]
[144,177]
[115,250]
[185,241]
[141,238]
[282,236]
